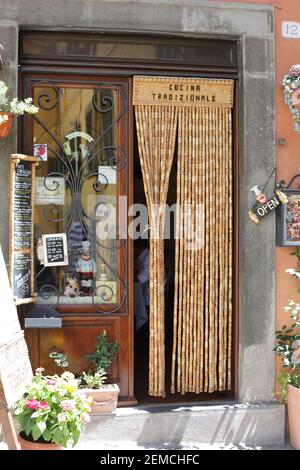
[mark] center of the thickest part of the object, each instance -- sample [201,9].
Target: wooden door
[81,134]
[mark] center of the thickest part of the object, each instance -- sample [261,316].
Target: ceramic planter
[293,402]
[5,127]
[29,445]
[105,399]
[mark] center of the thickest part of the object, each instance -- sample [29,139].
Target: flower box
[105,399]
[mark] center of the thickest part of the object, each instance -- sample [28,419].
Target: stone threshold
[226,424]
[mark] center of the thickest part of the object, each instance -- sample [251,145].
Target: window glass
[200,51]
[76,135]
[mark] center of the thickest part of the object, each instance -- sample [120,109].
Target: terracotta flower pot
[105,399]
[30,445]
[5,127]
[293,402]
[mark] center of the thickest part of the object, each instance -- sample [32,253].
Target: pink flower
[295,70]
[43,405]
[51,382]
[86,418]
[61,417]
[68,405]
[32,404]
[39,370]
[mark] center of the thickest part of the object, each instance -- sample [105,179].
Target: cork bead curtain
[156,132]
[201,358]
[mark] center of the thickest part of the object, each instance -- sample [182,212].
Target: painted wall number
[290,29]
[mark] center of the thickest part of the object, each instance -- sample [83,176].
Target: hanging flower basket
[291,90]
[11,107]
[6,120]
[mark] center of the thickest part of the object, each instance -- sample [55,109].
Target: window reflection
[209,52]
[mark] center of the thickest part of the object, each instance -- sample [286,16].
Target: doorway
[141,359]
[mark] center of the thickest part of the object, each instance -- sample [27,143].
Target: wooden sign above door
[169,91]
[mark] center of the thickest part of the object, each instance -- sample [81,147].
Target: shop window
[79,136]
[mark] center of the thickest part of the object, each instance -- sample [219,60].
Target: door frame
[122,69]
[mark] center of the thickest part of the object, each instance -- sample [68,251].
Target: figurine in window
[72,287]
[86,268]
[40,250]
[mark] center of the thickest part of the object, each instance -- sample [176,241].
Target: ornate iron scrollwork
[75,168]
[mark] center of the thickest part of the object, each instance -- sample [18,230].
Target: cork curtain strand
[200,115]
[201,358]
[156,131]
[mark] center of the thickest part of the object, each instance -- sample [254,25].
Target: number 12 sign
[290,29]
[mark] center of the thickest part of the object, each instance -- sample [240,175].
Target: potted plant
[288,349]
[10,107]
[105,396]
[52,412]
[92,382]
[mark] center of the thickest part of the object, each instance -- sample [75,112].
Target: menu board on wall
[22,177]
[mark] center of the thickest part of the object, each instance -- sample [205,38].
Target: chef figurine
[86,268]
[260,196]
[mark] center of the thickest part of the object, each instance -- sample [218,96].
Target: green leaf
[28,424]
[41,425]
[75,436]
[59,437]
[47,435]
[36,433]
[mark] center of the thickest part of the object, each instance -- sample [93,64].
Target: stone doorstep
[226,426]
[231,424]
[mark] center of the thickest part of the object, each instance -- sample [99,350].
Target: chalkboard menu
[21,275]
[22,205]
[55,249]
[22,174]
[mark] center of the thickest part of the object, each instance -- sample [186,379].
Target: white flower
[68,375]
[296,352]
[14,105]
[3,118]
[3,88]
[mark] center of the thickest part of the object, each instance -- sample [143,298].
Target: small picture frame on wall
[288,220]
